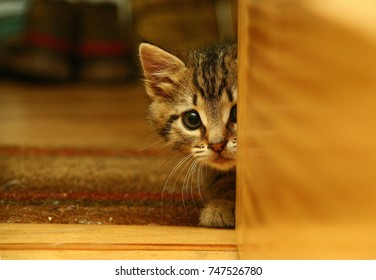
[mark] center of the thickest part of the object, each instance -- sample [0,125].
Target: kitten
[193,107]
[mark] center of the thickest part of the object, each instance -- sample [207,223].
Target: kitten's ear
[160,69]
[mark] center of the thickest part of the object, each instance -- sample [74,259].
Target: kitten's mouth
[221,160]
[222,163]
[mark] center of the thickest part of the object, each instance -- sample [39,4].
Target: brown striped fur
[193,107]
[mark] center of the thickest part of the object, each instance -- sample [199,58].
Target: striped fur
[204,85]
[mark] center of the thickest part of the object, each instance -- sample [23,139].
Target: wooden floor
[74,115]
[22,241]
[99,117]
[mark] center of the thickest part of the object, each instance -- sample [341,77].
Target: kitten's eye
[191,120]
[233,114]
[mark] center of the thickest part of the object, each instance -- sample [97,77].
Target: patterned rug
[95,186]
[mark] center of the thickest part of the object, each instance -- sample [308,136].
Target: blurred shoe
[100,50]
[46,47]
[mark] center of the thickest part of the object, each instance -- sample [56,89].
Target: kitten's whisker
[206,168]
[181,171]
[151,145]
[195,170]
[187,178]
[188,185]
[199,179]
[172,173]
[169,159]
[174,170]
[186,163]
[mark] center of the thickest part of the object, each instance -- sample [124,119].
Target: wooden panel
[307,129]
[30,241]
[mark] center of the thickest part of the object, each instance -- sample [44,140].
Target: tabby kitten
[193,107]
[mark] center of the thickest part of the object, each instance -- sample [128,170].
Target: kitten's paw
[218,214]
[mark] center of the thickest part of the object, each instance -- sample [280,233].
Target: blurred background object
[101,53]
[12,20]
[177,24]
[96,41]
[12,14]
[44,50]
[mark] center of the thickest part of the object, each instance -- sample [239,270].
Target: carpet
[94,186]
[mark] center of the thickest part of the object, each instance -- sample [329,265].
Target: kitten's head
[194,102]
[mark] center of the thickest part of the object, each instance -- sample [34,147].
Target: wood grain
[30,241]
[117,255]
[307,129]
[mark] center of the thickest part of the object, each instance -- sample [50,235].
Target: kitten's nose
[218,147]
